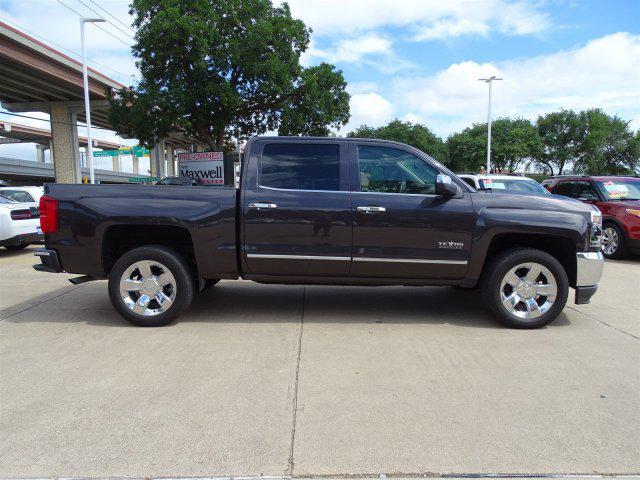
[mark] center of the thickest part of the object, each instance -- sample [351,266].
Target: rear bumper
[31,237]
[49,261]
[589,266]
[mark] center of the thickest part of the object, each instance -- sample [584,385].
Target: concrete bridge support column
[171,163]
[65,151]
[40,153]
[116,163]
[136,165]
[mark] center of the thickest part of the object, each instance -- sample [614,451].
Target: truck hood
[531,202]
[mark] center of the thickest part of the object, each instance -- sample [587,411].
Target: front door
[401,228]
[296,209]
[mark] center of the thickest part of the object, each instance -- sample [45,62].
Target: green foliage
[467,150]
[512,142]
[560,133]
[608,146]
[414,134]
[217,67]
[322,103]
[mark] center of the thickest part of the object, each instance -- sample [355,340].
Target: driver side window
[585,190]
[389,170]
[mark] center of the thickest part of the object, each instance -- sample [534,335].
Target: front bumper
[49,261]
[589,266]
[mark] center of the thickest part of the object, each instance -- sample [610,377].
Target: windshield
[620,189]
[529,187]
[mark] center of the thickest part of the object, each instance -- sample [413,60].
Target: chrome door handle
[370,209]
[260,205]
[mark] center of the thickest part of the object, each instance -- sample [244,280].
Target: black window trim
[341,160]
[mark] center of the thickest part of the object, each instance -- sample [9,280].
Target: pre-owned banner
[207,166]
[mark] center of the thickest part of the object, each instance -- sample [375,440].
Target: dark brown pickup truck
[324,211]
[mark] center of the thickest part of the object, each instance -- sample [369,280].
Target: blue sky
[419,60]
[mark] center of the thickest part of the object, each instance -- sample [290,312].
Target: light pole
[490,82]
[87,109]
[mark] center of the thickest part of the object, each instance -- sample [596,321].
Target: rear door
[401,228]
[296,208]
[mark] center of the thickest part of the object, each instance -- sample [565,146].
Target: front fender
[493,222]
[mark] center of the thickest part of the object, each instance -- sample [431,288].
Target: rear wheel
[151,286]
[614,244]
[525,288]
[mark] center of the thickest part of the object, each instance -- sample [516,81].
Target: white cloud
[369,49]
[603,73]
[425,19]
[369,109]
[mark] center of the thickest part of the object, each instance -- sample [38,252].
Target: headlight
[596,216]
[633,212]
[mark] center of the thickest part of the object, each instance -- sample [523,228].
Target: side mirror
[587,199]
[445,186]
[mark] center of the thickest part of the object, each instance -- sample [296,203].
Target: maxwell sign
[207,166]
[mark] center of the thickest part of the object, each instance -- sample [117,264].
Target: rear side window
[18,195]
[565,189]
[300,166]
[469,181]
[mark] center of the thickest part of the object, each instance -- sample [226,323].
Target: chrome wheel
[148,288]
[610,241]
[528,290]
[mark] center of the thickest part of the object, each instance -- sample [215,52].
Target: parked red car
[619,200]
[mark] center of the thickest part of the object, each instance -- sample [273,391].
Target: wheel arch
[119,239]
[559,247]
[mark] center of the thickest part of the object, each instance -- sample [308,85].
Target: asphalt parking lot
[314,381]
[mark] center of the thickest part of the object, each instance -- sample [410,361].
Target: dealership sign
[207,166]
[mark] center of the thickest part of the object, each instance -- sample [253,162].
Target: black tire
[621,251]
[19,246]
[177,266]
[497,270]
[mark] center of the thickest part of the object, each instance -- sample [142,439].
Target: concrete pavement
[304,381]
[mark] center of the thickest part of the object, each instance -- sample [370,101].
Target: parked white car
[23,194]
[19,223]
[505,183]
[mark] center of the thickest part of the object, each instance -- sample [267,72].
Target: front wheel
[613,242]
[151,286]
[525,288]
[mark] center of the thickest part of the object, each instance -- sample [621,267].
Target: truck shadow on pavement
[326,304]
[245,302]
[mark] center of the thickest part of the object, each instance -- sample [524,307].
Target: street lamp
[87,109]
[490,82]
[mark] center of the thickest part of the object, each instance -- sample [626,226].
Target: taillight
[20,214]
[48,214]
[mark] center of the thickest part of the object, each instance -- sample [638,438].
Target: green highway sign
[137,152]
[143,179]
[140,151]
[106,153]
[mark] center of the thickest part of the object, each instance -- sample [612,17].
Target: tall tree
[467,150]
[413,134]
[561,134]
[608,146]
[215,68]
[512,142]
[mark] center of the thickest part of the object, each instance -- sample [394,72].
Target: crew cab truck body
[324,211]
